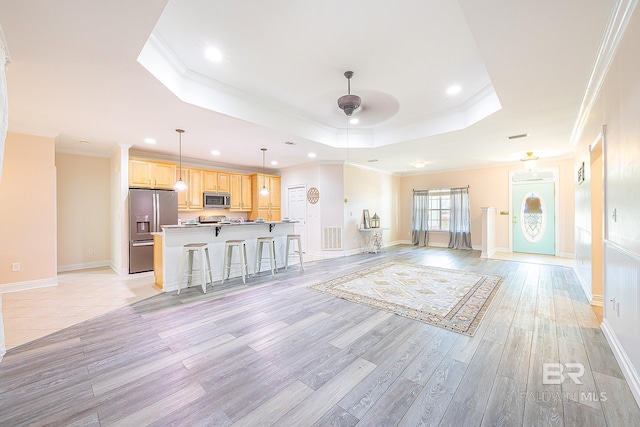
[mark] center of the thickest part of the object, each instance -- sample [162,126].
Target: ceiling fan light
[349,103]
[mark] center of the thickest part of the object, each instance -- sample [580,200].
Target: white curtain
[460,219]
[420,219]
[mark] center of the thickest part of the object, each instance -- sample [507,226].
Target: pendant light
[530,161]
[180,184]
[264,190]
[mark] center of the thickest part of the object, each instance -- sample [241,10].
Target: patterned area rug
[451,299]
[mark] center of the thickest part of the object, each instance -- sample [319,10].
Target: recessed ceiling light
[312,155]
[354,121]
[150,140]
[213,54]
[215,152]
[452,90]
[419,164]
[274,162]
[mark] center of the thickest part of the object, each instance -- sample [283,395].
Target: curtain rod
[440,189]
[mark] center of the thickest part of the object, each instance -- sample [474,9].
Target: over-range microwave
[217,200]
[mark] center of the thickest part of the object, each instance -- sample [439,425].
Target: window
[439,210]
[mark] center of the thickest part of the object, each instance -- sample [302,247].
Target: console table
[372,238]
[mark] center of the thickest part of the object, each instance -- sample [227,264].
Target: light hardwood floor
[275,353]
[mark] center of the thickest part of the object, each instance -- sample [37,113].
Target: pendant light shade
[530,161]
[180,184]
[263,190]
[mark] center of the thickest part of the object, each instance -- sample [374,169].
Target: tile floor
[85,294]
[76,297]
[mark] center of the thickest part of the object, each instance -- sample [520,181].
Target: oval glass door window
[532,217]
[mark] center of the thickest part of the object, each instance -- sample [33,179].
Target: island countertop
[168,246]
[227,224]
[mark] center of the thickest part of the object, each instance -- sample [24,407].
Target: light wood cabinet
[150,174]
[266,206]
[216,181]
[191,198]
[240,189]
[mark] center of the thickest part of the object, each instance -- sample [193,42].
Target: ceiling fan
[349,103]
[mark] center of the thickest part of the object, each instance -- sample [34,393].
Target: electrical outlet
[15,266]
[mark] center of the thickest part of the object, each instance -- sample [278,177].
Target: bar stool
[187,254]
[293,238]
[260,242]
[228,256]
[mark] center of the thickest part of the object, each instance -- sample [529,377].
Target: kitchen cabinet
[216,181]
[191,198]
[240,189]
[150,174]
[266,206]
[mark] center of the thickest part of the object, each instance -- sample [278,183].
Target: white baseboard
[119,271]
[84,266]
[628,370]
[569,255]
[586,288]
[504,250]
[28,284]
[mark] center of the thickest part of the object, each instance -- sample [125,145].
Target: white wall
[618,107]
[363,189]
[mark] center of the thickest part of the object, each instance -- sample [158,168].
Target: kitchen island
[168,248]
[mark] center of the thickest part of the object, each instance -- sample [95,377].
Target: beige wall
[84,224]
[28,209]
[490,187]
[379,193]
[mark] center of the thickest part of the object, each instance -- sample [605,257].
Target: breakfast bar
[168,247]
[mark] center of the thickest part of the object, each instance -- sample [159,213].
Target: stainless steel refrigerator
[149,210]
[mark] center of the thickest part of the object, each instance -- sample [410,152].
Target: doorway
[297,211]
[533,217]
[596,189]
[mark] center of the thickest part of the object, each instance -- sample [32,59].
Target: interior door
[533,217]
[297,211]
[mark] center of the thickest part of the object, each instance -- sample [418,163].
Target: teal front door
[533,217]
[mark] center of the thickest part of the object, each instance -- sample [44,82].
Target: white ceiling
[96,73]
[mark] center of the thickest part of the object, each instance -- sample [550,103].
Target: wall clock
[313,195]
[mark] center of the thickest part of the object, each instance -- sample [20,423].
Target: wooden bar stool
[270,242]
[228,256]
[187,255]
[293,238]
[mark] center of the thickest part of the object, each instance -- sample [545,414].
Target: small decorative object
[581,173]
[375,221]
[313,195]
[366,221]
